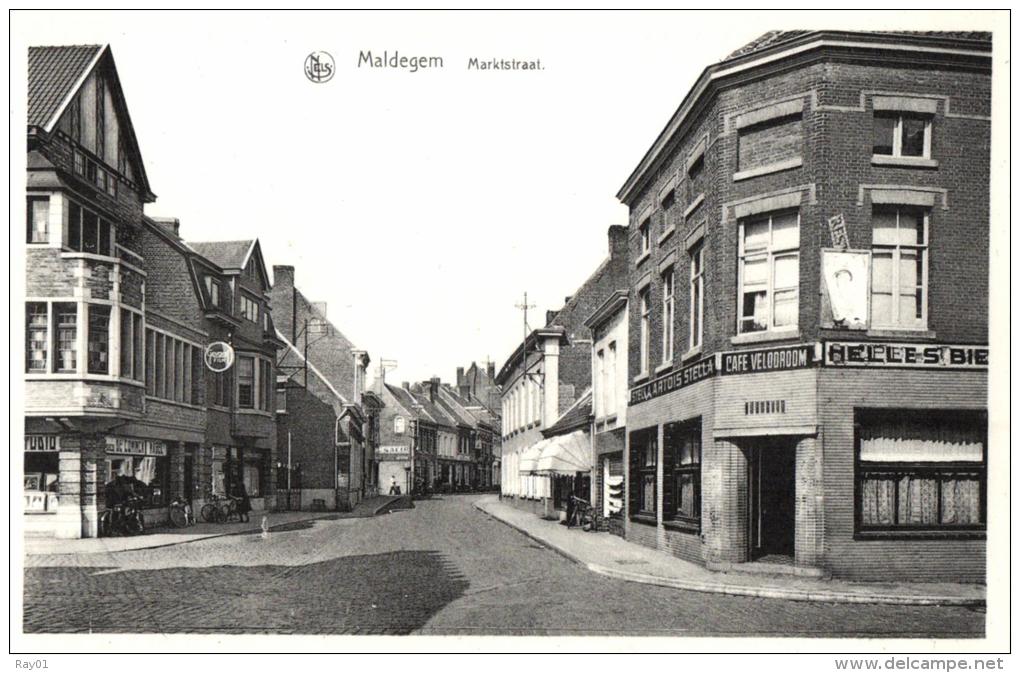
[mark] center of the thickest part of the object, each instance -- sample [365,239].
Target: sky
[418,206]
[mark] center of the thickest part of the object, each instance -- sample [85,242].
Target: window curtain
[910,440]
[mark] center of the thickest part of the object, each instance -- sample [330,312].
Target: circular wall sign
[219,356]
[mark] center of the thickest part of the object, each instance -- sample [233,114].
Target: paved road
[441,568]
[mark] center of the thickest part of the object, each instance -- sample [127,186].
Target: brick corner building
[809,242]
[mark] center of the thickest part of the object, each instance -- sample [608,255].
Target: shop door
[772,484]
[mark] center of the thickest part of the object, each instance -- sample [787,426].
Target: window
[87,232]
[668,315]
[212,288]
[610,385]
[79,162]
[902,135]
[668,201]
[899,268]
[696,179]
[646,235]
[682,449]
[920,471]
[769,272]
[697,294]
[600,399]
[281,396]
[645,330]
[249,308]
[99,340]
[172,369]
[246,382]
[265,384]
[67,337]
[37,336]
[38,219]
[399,425]
[644,451]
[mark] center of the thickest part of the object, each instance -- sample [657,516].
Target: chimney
[171,225]
[617,241]
[282,300]
[406,386]
[464,391]
[491,371]
[460,375]
[433,388]
[550,316]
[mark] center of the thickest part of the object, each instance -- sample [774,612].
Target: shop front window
[920,471]
[644,452]
[151,475]
[42,474]
[682,502]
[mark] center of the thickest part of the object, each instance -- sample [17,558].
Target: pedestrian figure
[244,506]
[393,486]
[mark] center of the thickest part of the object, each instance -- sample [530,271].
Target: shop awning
[529,457]
[566,454]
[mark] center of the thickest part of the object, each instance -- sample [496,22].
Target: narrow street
[441,568]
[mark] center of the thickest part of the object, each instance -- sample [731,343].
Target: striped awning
[566,454]
[529,457]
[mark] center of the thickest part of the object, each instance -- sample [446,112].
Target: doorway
[772,482]
[189,475]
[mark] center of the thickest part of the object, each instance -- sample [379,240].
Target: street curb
[161,545]
[749,591]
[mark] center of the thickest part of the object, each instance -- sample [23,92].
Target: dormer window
[249,309]
[212,288]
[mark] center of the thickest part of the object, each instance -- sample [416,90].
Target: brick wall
[308,424]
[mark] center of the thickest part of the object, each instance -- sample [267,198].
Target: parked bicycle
[586,516]
[220,509]
[181,514]
[124,518]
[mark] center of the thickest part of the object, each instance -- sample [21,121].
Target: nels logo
[319,67]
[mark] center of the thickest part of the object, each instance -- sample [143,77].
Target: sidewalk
[165,536]
[613,556]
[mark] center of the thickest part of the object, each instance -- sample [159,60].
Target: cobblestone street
[441,568]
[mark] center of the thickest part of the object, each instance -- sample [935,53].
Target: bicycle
[181,514]
[212,512]
[586,516]
[124,518]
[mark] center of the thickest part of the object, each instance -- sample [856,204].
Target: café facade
[838,458]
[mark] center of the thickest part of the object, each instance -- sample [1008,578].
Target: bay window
[899,268]
[87,232]
[36,336]
[769,251]
[67,337]
[98,339]
[38,219]
[920,471]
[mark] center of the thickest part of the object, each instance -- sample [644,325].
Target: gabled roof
[54,75]
[449,402]
[228,255]
[404,398]
[577,416]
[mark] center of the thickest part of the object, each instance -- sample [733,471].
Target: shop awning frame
[565,455]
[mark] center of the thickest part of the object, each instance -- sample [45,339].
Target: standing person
[393,485]
[244,504]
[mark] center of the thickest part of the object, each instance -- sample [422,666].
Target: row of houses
[783,364]
[184,365]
